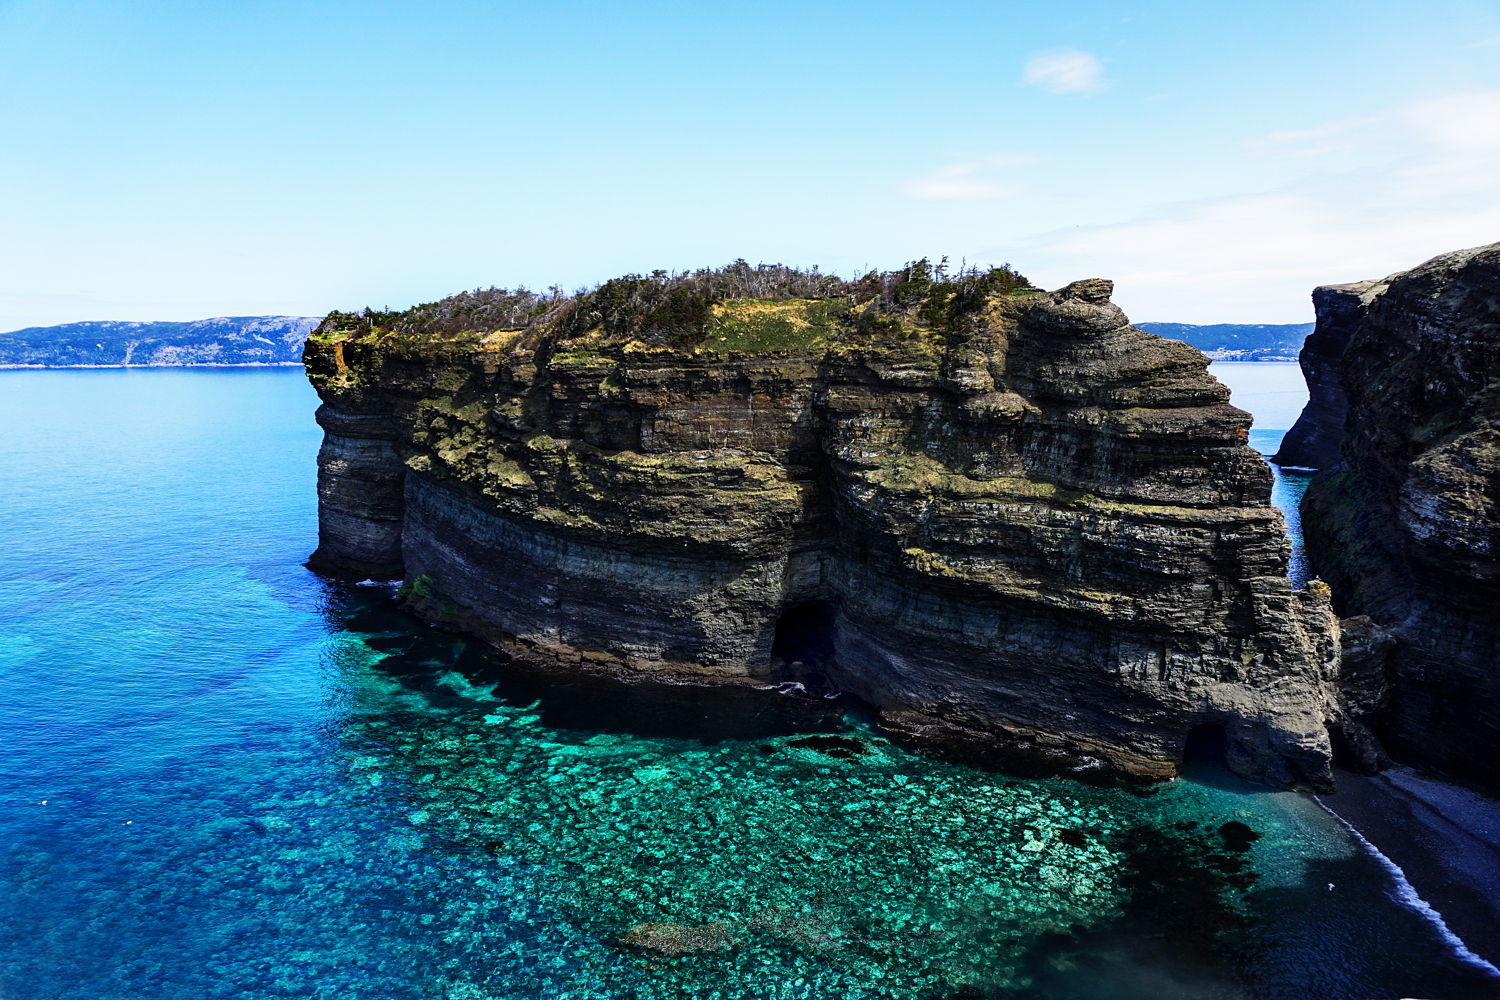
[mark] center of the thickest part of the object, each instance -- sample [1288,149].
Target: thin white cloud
[1468,121]
[1456,122]
[1256,258]
[970,180]
[1066,71]
[1390,191]
[1321,140]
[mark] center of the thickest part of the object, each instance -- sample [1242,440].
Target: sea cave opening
[806,635]
[1207,744]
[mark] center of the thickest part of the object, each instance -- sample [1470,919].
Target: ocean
[228,778]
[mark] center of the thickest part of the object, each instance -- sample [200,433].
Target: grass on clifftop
[762,325]
[735,308]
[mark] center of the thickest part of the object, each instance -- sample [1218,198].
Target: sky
[181,160]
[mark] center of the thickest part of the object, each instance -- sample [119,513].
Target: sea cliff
[1004,518]
[1404,521]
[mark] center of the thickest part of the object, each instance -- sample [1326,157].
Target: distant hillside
[223,340]
[1238,341]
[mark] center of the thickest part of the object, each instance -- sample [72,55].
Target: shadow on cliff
[417,654]
[1205,761]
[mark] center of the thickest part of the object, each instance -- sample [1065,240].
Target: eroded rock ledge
[1040,530]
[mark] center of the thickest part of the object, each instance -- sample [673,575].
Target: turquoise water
[228,778]
[1275,393]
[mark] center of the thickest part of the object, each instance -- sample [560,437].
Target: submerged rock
[679,939]
[1405,523]
[1007,520]
[1237,836]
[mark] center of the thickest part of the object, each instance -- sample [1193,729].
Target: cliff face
[1407,526]
[1040,532]
[1313,441]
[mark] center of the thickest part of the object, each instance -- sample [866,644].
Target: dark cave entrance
[806,638]
[1207,745]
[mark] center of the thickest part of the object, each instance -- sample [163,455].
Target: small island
[1004,518]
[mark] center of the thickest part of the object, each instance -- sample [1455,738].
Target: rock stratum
[1006,519]
[1404,519]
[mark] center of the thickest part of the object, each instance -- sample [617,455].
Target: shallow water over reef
[228,778]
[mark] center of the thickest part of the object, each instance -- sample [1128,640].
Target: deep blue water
[227,778]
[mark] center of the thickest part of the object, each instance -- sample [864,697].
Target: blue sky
[178,160]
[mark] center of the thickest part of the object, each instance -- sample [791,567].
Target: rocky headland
[1404,519]
[1005,518]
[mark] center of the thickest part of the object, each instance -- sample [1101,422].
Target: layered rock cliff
[1006,519]
[1405,523]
